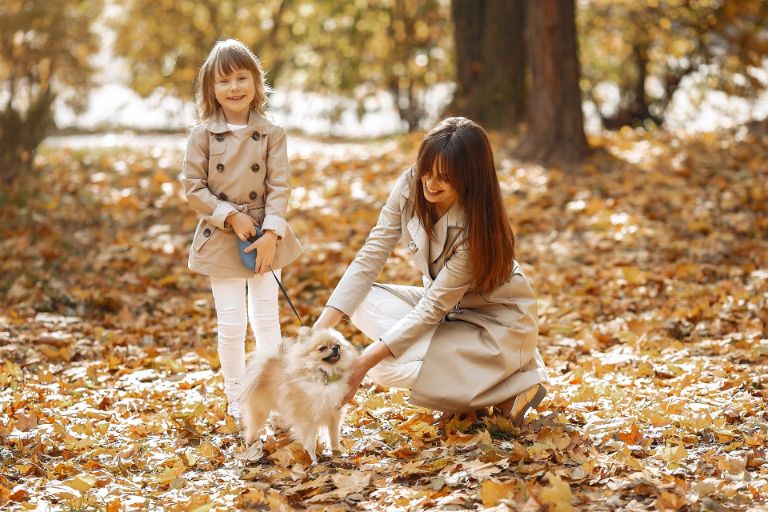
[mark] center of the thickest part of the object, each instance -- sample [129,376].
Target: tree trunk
[555,122]
[490,61]
[633,108]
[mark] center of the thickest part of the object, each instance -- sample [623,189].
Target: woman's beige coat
[225,172]
[484,348]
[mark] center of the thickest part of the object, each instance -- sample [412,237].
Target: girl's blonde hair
[225,57]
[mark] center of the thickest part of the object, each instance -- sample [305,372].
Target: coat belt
[257,204]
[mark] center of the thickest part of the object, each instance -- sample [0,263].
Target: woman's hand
[361,365]
[242,225]
[356,375]
[265,248]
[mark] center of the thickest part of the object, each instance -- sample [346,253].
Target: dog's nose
[333,356]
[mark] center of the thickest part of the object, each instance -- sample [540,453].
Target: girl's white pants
[238,300]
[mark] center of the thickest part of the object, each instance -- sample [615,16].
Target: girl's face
[235,92]
[438,191]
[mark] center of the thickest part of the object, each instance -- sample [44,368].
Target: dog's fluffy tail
[255,367]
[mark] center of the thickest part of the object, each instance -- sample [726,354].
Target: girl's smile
[235,92]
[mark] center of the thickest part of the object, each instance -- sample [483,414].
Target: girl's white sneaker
[234,410]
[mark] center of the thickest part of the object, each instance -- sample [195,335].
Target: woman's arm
[450,285]
[328,318]
[362,272]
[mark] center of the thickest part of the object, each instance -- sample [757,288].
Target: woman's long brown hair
[463,155]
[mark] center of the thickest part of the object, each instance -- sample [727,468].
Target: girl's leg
[229,299]
[263,311]
[377,313]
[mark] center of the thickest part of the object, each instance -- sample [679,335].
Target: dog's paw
[278,424]
[252,435]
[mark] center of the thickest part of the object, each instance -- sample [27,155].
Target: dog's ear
[304,332]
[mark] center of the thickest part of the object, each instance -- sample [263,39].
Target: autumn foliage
[650,265]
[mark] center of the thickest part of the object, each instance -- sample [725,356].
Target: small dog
[304,383]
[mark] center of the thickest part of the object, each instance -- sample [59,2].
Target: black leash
[285,294]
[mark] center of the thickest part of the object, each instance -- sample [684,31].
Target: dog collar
[328,379]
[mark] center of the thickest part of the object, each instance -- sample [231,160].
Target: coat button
[256,136]
[220,167]
[253,195]
[255,167]
[412,245]
[223,196]
[207,233]
[220,137]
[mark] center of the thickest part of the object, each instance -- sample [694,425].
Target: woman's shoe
[528,399]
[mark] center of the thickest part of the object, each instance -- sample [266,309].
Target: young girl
[236,178]
[467,339]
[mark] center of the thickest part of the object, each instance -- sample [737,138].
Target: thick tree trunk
[555,122]
[490,62]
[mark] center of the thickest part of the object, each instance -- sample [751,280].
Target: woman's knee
[394,374]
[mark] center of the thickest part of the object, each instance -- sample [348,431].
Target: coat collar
[427,251]
[255,122]
[453,218]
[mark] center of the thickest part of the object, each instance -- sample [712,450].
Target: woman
[467,339]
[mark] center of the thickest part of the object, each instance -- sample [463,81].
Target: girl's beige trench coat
[227,171]
[484,348]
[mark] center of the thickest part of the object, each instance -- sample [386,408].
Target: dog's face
[323,348]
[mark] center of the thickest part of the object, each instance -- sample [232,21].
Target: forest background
[631,144]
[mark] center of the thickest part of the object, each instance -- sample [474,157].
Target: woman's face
[438,191]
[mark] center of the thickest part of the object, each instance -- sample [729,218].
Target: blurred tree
[637,53]
[176,36]
[362,47]
[555,127]
[356,49]
[490,61]
[45,51]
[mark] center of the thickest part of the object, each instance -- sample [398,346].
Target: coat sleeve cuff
[339,306]
[220,213]
[402,335]
[276,224]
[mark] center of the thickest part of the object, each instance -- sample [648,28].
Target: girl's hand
[265,248]
[242,225]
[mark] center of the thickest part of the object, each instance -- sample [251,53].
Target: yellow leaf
[208,451]
[633,275]
[674,453]
[557,495]
[375,402]
[356,481]
[82,482]
[493,491]
[114,505]
[170,474]
[733,464]
[251,498]
[278,503]
[670,501]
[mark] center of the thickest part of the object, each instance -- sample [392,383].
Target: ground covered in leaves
[650,262]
